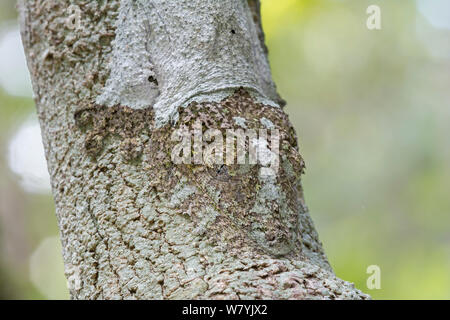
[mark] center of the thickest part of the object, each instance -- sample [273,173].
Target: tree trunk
[113,81]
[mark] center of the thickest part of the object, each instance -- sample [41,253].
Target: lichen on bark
[133,224]
[194,50]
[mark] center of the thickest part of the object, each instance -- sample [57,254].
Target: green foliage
[369,109]
[371,112]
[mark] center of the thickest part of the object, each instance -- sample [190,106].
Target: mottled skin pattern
[136,226]
[231,190]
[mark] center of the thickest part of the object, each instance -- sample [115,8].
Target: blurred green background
[372,112]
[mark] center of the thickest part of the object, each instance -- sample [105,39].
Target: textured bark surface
[133,224]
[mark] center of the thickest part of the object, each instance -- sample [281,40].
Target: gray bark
[111,85]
